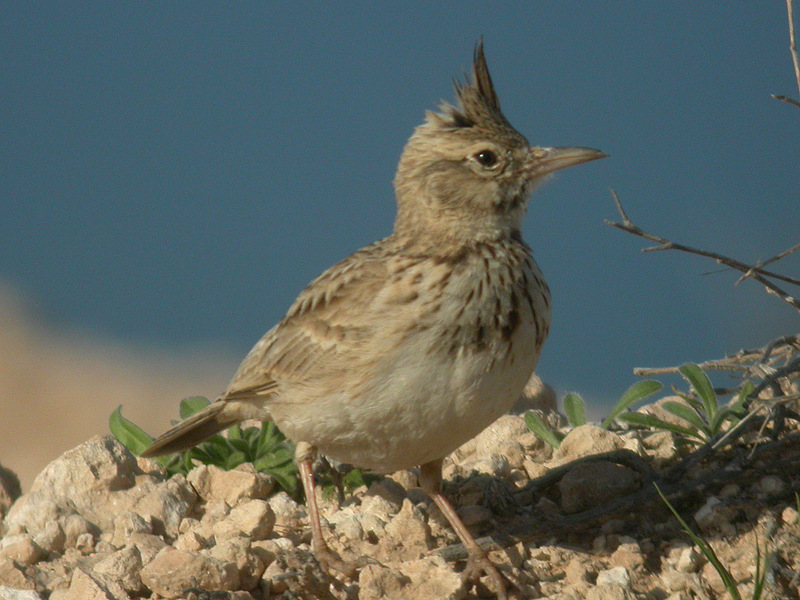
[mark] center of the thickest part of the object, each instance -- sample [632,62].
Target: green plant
[700,410]
[575,409]
[266,447]
[759,577]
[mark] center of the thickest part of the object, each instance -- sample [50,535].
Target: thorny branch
[672,483]
[756,272]
[793,52]
[756,363]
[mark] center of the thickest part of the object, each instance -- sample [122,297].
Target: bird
[398,354]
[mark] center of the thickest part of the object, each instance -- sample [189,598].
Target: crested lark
[401,352]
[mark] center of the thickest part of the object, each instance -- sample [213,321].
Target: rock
[288,513]
[675,581]
[51,538]
[474,515]
[426,579]
[147,545]
[614,576]
[494,438]
[661,446]
[407,535]
[689,560]
[495,465]
[123,566]
[609,592]
[172,571]
[76,526]
[21,549]
[584,441]
[126,524]
[237,551]
[213,483]
[712,514]
[10,489]
[10,593]
[656,409]
[85,543]
[533,469]
[165,505]
[252,518]
[537,395]
[86,586]
[83,481]
[629,556]
[390,490]
[268,550]
[12,576]
[578,570]
[789,516]
[347,524]
[771,485]
[591,484]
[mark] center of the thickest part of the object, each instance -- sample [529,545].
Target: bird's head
[467,172]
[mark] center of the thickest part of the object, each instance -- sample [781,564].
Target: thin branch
[754,272]
[793,52]
[675,485]
[792,43]
[760,266]
[759,363]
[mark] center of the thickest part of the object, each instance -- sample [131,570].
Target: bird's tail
[190,432]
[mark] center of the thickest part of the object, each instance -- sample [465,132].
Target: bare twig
[752,271]
[792,43]
[764,263]
[793,52]
[674,484]
[756,363]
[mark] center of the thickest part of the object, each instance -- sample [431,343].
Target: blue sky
[172,174]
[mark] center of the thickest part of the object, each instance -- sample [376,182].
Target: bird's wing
[326,330]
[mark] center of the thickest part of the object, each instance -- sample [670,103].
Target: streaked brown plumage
[401,352]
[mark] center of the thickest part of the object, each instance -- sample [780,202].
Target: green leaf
[575,409]
[537,426]
[702,385]
[652,422]
[128,433]
[638,391]
[190,406]
[737,405]
[240,445]
[271,437]
[287,479]
[235,432]
[723,415]
[690,400]
[280,458]
[706,549]
[234,459]
[680,410]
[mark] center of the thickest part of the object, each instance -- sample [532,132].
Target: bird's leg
[430,480]
[304,456]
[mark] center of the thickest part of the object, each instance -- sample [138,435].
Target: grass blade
[638,391]
[537,426]
[575,409]
[702,385]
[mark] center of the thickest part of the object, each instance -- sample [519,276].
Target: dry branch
[793,52]
[755,272]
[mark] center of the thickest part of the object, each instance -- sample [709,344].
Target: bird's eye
[486,158]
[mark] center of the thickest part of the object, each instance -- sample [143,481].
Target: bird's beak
[546,160]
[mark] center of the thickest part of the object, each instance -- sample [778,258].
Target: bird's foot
[330,561]
[504,588]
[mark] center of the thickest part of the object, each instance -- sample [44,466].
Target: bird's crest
[478,105]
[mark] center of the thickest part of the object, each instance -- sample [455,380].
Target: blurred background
[173,174]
